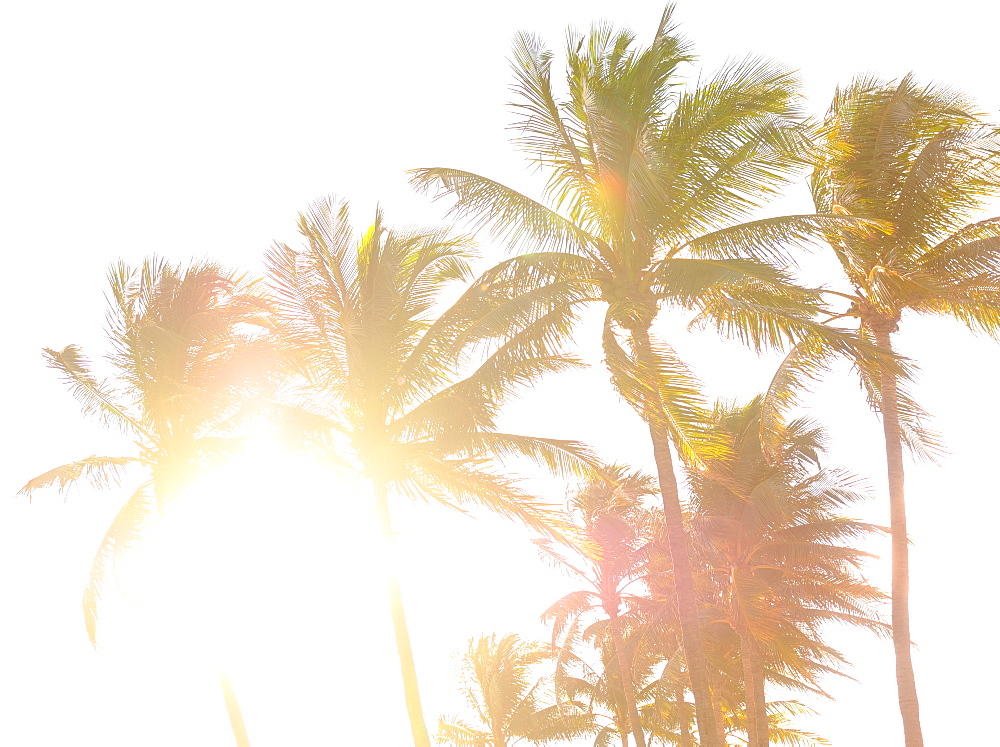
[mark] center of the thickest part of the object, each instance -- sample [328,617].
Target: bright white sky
[191,129]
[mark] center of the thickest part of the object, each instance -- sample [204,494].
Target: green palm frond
[510,216]
[681,408]
[921,441]
[778,240]
[730,144]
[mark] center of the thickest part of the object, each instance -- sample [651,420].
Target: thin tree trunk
[716,684]
[709,726]
[407,667]
[753,686]
[681,706]
[234,711]
[625,673]
[906,686]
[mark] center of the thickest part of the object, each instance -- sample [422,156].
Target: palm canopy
[408,386]
[407,389]
[647,183]
[509,700]
[923,161]
[189,347]
[773,530]
[614,529]
[780,554]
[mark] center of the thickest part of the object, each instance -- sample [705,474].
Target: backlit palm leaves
[510,702]
[187,349]
[406,388]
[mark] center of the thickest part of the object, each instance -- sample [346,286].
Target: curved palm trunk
[625,672]
[407,667]
[753,686]
[709,724]
[234,711]
[905,681]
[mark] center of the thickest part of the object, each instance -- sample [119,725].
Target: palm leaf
[100,472]
[124,532]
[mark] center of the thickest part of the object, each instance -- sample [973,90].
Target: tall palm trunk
[625,673]
[234,711]
[753,686]
[709,723]
[418,727]
[906,686]
[685,729]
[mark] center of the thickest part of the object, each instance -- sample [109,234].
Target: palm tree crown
[188,350]
[406,388]
[780,555]
[501,684]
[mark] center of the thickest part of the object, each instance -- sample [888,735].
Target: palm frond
[97,471]
[510,216]
[124,532]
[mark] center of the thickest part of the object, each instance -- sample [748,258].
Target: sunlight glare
[271,568]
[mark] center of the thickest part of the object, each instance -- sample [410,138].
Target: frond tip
[98,471]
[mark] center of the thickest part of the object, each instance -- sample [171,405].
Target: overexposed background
[202,128]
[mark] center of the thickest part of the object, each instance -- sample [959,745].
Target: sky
[201,129]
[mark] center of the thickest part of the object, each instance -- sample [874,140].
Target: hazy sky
[194,129]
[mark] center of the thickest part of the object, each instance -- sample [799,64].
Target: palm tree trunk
[625,673]
[234,711]
[906,686]
[753,686]
[709,726]
[682,717]
[717,688]
[418,727]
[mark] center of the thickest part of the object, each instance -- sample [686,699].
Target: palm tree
[614,531]
[922,160]
[500,683]
[187,352]
[365,321]
[779,552]
[593,678]
[646,185]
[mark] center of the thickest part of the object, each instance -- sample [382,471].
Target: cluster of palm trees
[388,354]
[774,562]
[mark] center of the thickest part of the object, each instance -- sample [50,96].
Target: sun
[272,569]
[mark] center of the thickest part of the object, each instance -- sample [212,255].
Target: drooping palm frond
[99,472]
[125,531]
[681,407]
[97,398]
